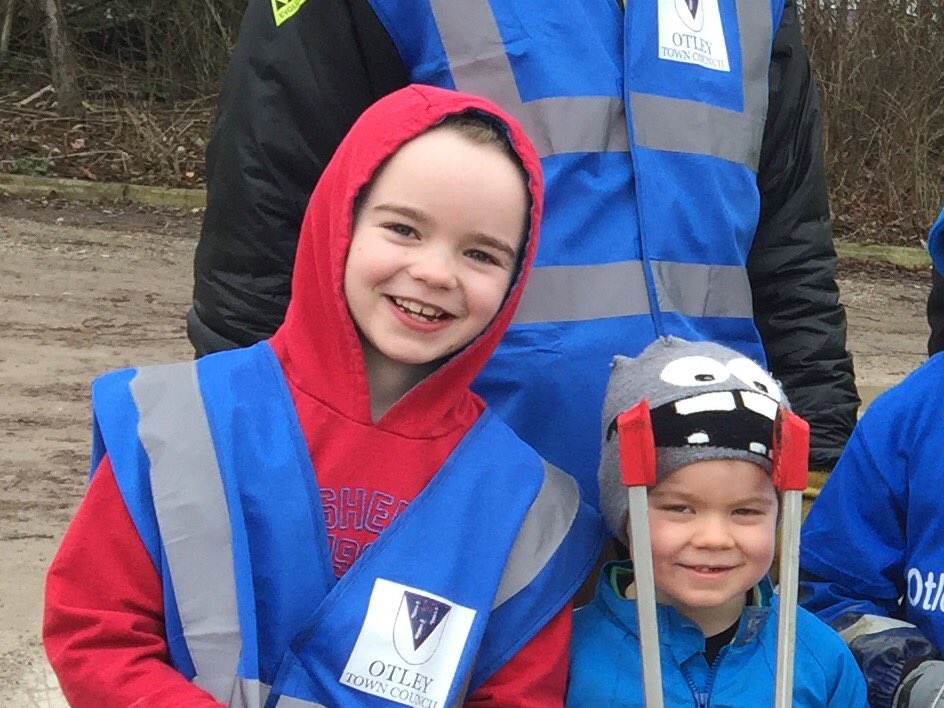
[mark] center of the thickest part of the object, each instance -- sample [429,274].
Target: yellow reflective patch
[284,9]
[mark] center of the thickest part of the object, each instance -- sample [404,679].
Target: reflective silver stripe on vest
[679,125]
[547,522]
[479,65]
[252,693]
[249,693]
[580,293]
[289,702]
[871,624]
[697,290]
[192,515]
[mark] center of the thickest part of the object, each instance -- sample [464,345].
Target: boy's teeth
[417,308]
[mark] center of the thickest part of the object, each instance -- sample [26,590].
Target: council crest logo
[691,32]
[409,647]
[692,13]
[419,627]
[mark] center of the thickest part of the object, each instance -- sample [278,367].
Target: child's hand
[923,687]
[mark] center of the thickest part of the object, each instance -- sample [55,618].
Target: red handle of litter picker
[637,446]
[791,451]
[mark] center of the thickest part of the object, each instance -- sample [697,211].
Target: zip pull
[701,699]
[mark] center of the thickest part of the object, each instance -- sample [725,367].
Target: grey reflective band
[568,124]
[662,123]
[192,515]
[479,65]
[678,125]
[580,293]
[289,702]
[871,624]
[545,526]
[249,693]
[698,290]
[253,694]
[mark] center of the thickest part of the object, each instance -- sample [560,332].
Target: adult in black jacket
[293,89]
[936,313]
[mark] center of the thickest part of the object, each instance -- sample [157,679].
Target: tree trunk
[6,29]
[62,61]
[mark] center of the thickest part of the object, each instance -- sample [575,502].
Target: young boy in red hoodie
[331,517]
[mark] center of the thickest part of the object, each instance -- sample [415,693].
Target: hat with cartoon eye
[706,401]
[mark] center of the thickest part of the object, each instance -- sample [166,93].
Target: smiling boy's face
[713,528]
[435,247]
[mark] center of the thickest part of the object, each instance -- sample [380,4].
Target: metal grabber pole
[791,451]
[638,466]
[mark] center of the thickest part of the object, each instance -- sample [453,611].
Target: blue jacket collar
[678,634]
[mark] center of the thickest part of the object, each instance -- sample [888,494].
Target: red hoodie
[103,627]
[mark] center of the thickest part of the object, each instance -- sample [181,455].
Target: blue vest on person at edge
[211,463]
[649,123]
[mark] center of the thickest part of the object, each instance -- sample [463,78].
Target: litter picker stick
[637,453]
[790,455]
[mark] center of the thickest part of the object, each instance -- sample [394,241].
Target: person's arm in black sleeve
[290,94]
[792,264]
[936,313]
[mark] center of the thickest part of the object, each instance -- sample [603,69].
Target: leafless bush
[879,64]
[881,74]
[161,50]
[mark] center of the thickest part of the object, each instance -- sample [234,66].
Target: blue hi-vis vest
[649,123]
[212,465]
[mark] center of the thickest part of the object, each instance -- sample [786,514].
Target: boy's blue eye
[400,229]
[675,508]
[483,257]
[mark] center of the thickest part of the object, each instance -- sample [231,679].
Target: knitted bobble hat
[707,402]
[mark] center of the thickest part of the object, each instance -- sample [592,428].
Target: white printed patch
[924,590]
[409,646]
[690,32]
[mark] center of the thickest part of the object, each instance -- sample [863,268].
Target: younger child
[712,518]
[331,517]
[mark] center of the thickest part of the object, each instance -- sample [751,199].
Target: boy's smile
[713,525]
[419,311]
[434,248]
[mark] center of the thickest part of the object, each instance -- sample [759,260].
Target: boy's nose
[713,533]
[433,268]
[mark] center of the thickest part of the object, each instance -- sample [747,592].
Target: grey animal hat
[707,402]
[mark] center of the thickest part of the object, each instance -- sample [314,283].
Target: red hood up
[318,344]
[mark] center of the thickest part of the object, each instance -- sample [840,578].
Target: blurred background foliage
[141,65]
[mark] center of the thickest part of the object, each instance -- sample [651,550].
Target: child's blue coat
[606,668]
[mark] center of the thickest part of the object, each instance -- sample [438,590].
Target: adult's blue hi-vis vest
[649,123]
[213,468]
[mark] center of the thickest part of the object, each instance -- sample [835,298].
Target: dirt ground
[86,289]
